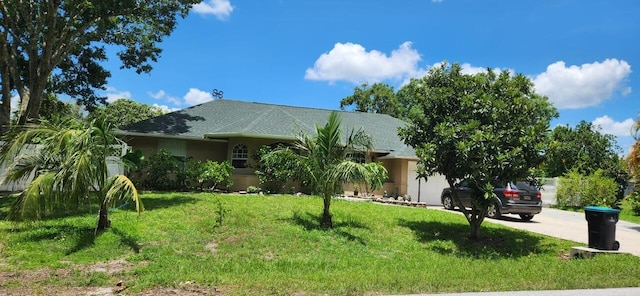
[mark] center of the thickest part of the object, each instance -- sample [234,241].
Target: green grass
[274,245]
[627,214]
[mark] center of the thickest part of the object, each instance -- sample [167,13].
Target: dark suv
[520,198]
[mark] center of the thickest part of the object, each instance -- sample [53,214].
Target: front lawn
[257,245]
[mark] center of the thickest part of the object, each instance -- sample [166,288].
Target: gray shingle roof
[229,118]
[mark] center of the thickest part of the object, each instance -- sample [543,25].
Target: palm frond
[33,203]
[122,188]
[23,167]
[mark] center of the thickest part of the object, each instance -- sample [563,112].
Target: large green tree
[326,163]
[58,45]
[485,127]
[123,111]
[583,148]
[377,98]
[69,164]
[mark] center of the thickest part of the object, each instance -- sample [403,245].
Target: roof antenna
[217,94]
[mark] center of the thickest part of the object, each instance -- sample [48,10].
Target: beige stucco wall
[198,149]
[245,177]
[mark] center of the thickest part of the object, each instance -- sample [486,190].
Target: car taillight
[511,194]
[539,196]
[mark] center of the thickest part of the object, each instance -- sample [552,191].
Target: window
[173,146]
[239,156]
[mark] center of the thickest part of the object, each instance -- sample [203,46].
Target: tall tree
[377,98]
[485,127]
[326,163]
[582,148]
[69,165]
[39,37]
[124,111]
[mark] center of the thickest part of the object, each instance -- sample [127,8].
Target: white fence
[549,186]
[114,167]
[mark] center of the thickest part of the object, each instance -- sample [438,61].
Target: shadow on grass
[151,203]
[162,201]
[311,222]
[82,237]
[86,238]
[453,239]
[5,204]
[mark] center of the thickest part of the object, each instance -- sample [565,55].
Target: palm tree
[69,166]
[326,163]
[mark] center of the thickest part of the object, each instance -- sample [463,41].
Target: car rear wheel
[447,202]
[526,217]
[493,211]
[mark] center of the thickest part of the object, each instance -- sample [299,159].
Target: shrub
[253,189]
[217,174]
[576,190]
[161,171]
[208,174]
[568,191]
[599,190]
[276,166]
[634,201]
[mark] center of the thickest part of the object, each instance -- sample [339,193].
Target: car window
[525,185]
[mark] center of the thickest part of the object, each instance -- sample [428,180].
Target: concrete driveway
[570,226]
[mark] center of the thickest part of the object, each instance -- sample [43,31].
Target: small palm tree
[324,159]
[69,167]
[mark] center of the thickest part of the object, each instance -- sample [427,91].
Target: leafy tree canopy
[583,148]
[483,127]
[58,45]
[124,111]
[377,98]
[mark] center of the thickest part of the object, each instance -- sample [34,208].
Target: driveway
[571,226]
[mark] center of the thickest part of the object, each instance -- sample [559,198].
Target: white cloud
[609,126]
[162,95]
[351,62]
[583,86]
[113,95]
[436,1]
[221,9]
[159,95]
[196,96]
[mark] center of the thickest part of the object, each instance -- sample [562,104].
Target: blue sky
[579,53]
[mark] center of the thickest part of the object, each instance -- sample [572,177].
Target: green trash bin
[602,227]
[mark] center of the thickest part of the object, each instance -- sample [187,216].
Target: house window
[239,156]
[177,148]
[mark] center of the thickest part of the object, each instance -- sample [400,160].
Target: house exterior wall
[245,177]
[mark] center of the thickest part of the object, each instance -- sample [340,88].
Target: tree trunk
[31,102]
[103,218]
[474,232]
[326,215]
[5,113]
